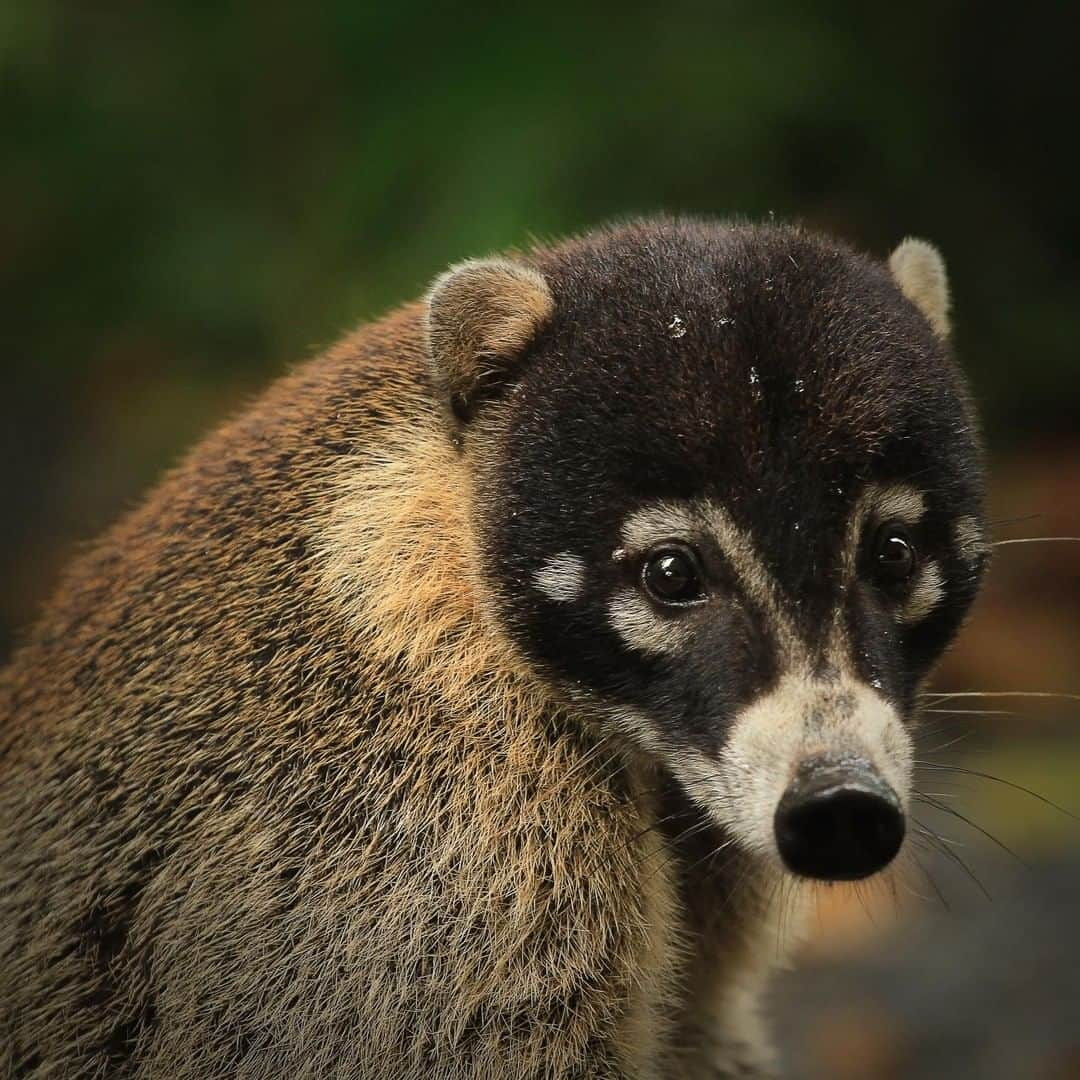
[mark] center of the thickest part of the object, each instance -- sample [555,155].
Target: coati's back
[355,749]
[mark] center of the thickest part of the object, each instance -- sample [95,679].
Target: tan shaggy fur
[382,847]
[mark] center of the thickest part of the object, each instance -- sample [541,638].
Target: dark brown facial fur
[763,369]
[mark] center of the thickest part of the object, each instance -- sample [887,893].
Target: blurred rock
[988,993]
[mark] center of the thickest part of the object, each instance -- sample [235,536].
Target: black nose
[838,823]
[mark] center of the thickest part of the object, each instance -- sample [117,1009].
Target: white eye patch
[903,503]
[880,503]
[897,502]
[641,628]
[927,592]
[661,521]
[561,578]
[968,537]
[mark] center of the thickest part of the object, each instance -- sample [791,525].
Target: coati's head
[728,494]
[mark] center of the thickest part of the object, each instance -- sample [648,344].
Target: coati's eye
[671,576]
[895,557]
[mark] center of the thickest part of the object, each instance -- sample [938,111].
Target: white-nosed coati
[456,710]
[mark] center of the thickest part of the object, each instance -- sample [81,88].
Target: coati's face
[728,495]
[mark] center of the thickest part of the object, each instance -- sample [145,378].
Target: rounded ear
[481,315]
[919,270]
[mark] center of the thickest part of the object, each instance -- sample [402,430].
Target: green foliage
[192,195]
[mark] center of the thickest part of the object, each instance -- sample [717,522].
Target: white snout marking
[638,624]
[802,717]
[561,578]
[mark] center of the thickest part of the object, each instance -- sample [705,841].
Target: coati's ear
[919,270]
[481,316]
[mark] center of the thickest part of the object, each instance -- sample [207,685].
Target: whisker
[652,826]
[817,893]
[973,712]
[777,887]
[710,855]
[950,742]
[669,849]
[1037,540]
[948,852]
[798,907]
[954,784]
[891,878]
[781,907]
[1003,694]
[790,892]
[929,801]
[862,903]
[667,859]
[741,879]
[933,884]
[997,780]
[1013,521]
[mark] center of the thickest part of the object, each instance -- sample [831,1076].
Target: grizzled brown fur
[281,796]
[374,843]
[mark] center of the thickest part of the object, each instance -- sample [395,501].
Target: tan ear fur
[481,314]
[919,270]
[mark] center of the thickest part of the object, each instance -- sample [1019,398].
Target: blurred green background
[194,196]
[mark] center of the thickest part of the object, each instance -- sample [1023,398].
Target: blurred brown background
[194,196]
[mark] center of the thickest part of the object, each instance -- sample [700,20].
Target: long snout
[838,820]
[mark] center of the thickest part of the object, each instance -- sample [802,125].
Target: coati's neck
[399,561]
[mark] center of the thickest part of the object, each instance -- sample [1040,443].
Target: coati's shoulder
[221,554]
